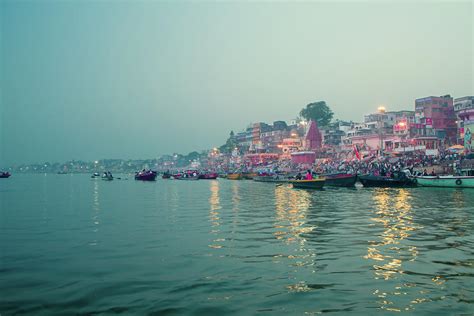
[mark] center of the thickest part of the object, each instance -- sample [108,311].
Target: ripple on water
[232,247]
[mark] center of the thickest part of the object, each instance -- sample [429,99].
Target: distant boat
[166,175]
[5,174]
[62,172]
[308,184]
[95,175]
[146,175]
[445,181]
[107,176]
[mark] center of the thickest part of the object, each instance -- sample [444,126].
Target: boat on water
[208,176]
[308,184]
[445,181]
[249,175]
[166,175]
[5,174]
[95,175]
[340,180]
[396,179]
[146,175]
[271,178]
[186,175]
[107,176]
[234,176]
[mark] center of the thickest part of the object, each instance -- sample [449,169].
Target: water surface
[73,245]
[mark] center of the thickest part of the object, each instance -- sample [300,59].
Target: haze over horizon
[93,80]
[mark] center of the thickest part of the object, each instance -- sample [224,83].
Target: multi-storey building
[434,116]
[464,109]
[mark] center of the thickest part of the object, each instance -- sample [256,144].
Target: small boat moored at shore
[397,179]
[234,176]
[445,181]
[249,175]
[208,176]
[340,180]
[308,184]
[5,174]
[271,178]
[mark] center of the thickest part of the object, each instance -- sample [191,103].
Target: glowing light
[381,109]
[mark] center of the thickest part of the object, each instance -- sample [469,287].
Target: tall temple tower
[313,137]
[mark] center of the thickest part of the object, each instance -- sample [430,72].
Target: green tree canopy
[319,112]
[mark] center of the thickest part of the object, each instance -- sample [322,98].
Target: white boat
[445,181]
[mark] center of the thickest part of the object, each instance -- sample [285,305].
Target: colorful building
[434,116]
[464,109]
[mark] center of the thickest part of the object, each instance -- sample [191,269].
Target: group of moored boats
[395,179]
[144,175]
[190,175]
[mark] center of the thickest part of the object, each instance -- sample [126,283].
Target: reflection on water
[215,206]
[291,208]
[393,214]
[95,212]
[227,247]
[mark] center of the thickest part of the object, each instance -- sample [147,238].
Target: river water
[74,245]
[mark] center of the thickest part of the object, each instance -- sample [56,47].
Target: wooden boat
[234,176]
[249,175]
[148,175]
[340,180]
[398,180]
[445,181]
[5,174]
[208,176]
[166,175]
[271,178]
[308,184]
[107,176]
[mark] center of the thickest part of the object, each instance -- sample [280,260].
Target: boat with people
[5,174]
[166,175]
[146,175]
[449,181]
[273,178]
[107,176]
[186,175]
[340,179]
[317,183]
[396,179]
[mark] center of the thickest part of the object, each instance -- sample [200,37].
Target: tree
[319,112]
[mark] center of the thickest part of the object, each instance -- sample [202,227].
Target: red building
[435,117]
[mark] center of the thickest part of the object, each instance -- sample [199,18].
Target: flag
[356,151]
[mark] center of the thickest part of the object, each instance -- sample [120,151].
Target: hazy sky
[103,79]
